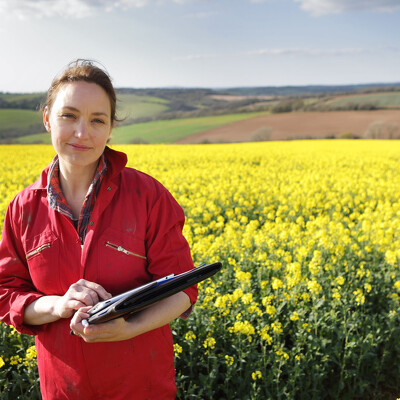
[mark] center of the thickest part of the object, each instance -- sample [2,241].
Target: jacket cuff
[17,314]
[192,293]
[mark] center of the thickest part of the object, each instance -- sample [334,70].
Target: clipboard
[127,303]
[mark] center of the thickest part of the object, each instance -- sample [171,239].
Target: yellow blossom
[177,349]
[276,283]
[277,327]
[359,296]
[229,360]
[294,316]
[256,375]
[271,310]
[190,335]
[209,343]
[264,334]
[340,280]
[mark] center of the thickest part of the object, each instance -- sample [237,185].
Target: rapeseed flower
[256,375]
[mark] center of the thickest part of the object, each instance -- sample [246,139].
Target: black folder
[141,297]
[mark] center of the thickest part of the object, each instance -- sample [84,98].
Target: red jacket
[41,254]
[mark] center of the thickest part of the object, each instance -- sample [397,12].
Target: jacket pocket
[37,251]
[122,261]
[42,256]
[125,251]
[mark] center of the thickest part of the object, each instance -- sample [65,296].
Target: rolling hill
[186,112]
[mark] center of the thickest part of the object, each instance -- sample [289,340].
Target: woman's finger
[83,294]
[98,289]
[76,321]
[74,304]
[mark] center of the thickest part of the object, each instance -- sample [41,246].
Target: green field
[157,131]
[14,122]
[11,118]
[27,124]
[19,97]
[133,106]
[172,130]
[37,138]
[390,99]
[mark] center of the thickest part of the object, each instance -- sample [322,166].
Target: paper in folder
[141,297]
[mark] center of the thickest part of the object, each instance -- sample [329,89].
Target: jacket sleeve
[167,249]
[16,288]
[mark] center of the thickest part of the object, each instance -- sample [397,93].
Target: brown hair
[87,71]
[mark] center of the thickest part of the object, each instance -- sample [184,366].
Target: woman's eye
[68,115]
[98,121]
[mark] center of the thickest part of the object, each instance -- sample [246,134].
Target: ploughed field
[298,125]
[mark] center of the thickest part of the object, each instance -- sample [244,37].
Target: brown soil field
[305,125]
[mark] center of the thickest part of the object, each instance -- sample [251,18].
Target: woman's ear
[46,119]
[111,129]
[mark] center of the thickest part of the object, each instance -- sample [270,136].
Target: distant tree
[346,135]
[288,105]
[22,102]
[382,130]
[138,140]
[262,134]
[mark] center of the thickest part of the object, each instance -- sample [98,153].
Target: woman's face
[80,123]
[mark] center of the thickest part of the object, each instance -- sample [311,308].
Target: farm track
[310,125]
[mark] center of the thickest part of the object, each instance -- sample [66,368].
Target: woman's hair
[87,71]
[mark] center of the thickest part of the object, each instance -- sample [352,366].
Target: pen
[85,323]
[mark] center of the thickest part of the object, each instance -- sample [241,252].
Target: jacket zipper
[38,250]
[119,248]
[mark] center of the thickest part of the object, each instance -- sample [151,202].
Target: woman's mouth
[79,147]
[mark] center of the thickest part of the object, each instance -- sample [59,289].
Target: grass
[19,122]
[37,138]
[134,106]
[20,96]
[17,119]
[390,99]
[172,130]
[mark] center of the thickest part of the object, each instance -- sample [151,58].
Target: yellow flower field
[306,305]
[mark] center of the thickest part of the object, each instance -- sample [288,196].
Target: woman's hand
[48,309]
[80,294]
[111,331]
[155,316]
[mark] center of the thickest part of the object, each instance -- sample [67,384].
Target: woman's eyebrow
[76,110]
[70,108]
[100,113]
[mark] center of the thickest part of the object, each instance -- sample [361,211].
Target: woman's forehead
[82,94]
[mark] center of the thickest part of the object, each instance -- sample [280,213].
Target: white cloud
[24,9]
[307,52]
[324,7]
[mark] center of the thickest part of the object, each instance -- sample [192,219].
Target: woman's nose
[82,130]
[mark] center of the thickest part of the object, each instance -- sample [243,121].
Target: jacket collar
[116,161]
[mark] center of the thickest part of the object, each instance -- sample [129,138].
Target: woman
[90,228]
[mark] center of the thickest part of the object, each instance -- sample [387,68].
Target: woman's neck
[75,182]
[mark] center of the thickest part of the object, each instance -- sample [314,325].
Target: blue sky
[202,43]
